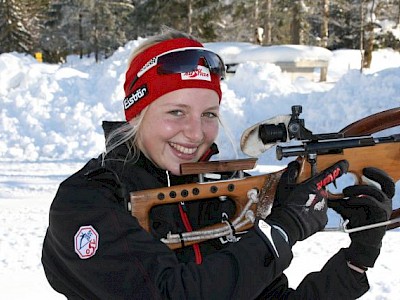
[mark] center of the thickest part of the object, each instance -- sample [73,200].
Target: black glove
[300,210]
[366,204]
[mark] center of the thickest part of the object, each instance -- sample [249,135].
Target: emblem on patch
[201,73]
[86,241]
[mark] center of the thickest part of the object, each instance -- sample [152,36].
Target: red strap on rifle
[196,248]
[189,228]
[210,152]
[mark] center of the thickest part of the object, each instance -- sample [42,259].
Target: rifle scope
[271,133]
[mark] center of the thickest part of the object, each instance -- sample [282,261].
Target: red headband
[151,85]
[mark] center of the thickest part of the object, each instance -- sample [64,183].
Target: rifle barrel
[334,146]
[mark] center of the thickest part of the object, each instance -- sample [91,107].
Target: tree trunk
[325,23]
[190,14]
[80,37]
[296,26]
[96,38]
[398,14]
[369,38]
[369,45]
[268,25]
[362,34]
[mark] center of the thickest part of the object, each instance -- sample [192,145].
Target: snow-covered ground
[50,125]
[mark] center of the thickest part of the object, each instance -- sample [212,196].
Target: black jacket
[95,249]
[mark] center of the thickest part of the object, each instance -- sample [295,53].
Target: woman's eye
[210,115]
[176,112]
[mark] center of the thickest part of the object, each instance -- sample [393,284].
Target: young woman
[95,249]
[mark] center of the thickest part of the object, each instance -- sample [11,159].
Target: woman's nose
[194,130]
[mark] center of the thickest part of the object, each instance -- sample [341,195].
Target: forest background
[54,29]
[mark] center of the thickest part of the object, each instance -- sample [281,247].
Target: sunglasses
[183,60]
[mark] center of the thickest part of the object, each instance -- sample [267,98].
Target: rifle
[253,195]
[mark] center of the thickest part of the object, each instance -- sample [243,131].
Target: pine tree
[241,19]
[36,12]
[86,26]
[201,18]
[14,31]
[106,18]
[55,39]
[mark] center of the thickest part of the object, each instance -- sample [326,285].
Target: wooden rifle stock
[236,189]
[384,156]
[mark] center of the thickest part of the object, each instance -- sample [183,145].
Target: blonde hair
[167,34]
[128,132]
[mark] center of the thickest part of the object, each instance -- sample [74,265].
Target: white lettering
[135,96]
[201,73]
[151,63]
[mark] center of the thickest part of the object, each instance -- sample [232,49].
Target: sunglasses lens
[177,62]
[187,61]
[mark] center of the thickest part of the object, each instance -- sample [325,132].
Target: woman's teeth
[182,149]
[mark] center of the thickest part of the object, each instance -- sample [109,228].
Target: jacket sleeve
[127,262]
[335,281]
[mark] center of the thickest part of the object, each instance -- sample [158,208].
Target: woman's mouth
[182,149]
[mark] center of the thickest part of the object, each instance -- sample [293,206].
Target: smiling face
[179,127]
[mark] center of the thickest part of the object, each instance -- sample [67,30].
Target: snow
[50,125]
[240,52]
